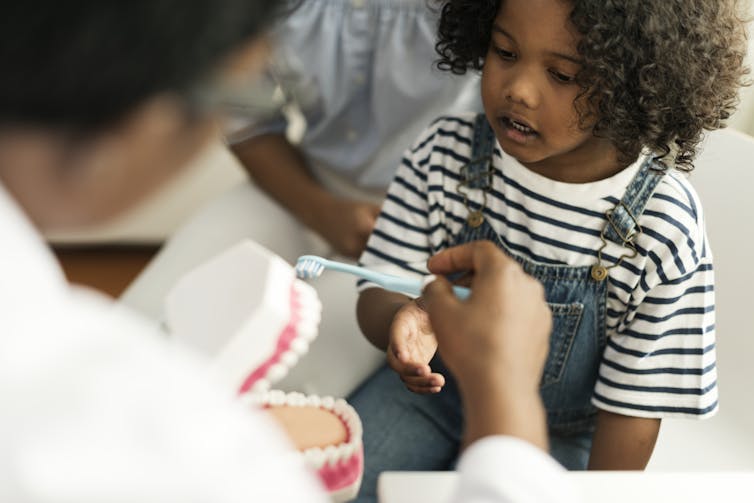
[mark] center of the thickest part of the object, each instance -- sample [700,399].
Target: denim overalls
[576,295]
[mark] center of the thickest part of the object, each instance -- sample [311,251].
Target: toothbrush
[312,266]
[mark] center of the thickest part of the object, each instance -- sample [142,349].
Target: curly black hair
[658,73]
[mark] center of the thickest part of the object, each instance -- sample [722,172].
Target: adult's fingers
[430,381]
[424,391]
[440,302]
[467,257]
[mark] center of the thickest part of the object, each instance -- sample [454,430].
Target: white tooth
[328,402]
[331,454]
[289,358]
[300,346]
[348,450]
[352,425]
[342,453]
[277,372]
[276,397]
[260,386]
[355,430]
[307,333]
[315,401]
[315,456]
[297,399]
[340,407]
[264,396]
[310,322]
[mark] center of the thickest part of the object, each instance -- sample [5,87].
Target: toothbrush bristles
[308,268]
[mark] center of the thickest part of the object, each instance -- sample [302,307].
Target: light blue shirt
[363,74]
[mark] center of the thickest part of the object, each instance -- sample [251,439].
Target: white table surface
[622,487]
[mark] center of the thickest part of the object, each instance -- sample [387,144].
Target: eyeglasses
[259,98]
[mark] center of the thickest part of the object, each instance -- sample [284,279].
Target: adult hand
[345,223]
[411,347]
[495,342]
[505,323]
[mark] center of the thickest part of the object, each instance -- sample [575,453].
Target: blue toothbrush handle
[414,287]
[411,286]
[389,281]
[461,292]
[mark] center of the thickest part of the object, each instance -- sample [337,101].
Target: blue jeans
[404,431]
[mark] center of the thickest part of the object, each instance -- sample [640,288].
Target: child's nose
[523,88]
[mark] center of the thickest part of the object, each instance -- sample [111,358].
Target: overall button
[475,219]
[599,272]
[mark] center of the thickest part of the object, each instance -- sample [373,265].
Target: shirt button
[351,135]
[358,4]
[359,78]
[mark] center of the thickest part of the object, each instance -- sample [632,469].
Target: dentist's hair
[83,65]
[656,73]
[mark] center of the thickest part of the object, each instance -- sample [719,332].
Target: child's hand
[412,345]
[345,224]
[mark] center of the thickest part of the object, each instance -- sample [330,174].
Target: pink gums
[285,339]
[344,473]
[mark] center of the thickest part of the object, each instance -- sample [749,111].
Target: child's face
[528,90]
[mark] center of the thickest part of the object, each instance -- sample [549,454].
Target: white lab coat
[96,407]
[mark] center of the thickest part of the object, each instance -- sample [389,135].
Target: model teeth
[317,457]
[300,346]
[328,402]
[331,453]
[260,386]
[289,358]
[277,372]
[307,332]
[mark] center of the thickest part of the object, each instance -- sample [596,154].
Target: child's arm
[397,325]
[281,170]
[623,442]
[375,311]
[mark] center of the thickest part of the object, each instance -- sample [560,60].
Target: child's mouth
[516,130]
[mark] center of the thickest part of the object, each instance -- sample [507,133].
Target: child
[593,109]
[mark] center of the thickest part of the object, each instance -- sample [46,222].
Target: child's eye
[562,77]
[506,55]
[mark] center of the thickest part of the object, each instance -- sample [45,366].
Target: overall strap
[477,174]
[623,220]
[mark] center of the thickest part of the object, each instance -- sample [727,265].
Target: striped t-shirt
[660,355]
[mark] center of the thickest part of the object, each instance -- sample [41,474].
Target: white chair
[724,177]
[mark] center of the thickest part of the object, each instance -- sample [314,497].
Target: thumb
[440,301]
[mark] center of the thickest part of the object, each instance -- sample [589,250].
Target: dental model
[248,312]
[326,430]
